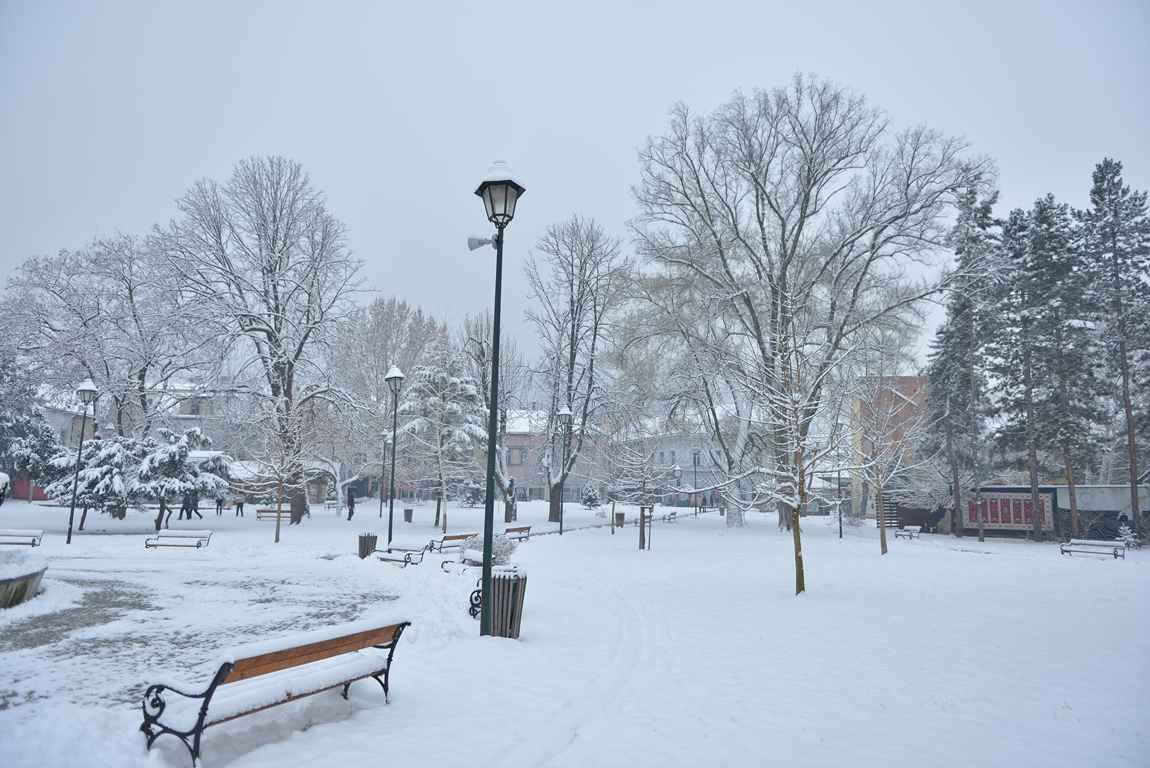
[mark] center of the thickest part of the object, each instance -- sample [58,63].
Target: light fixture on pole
[87,393]
[695,463]
[565,422]
[394,379]
[676,472]
[500,191]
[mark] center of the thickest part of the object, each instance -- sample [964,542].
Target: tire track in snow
[586,710]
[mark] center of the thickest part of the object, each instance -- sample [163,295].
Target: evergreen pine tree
[1068,410]
[446,417]
[1116,239]
[1019,351]
[956,368]
[168,469]
[29,445]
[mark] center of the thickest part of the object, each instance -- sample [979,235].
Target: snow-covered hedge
[502,548]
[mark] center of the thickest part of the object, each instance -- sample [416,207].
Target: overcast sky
[111,110]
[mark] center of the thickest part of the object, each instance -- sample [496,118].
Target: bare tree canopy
[266,268]
[577,285]
[774,230]
[109,312]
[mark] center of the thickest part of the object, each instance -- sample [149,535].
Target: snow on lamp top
[500,190]
[87,392]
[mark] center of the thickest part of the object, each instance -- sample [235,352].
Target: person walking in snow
[185,506]
[195,507]
[239,505]
[219,505]
[350,504]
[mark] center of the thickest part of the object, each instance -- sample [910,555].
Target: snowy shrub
[502,548]
[1126,535]
[474,495]
[591,498]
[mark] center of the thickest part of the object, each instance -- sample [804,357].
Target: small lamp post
[676,472]
[695,464]
[394,379]
[87,393]
[565,422]
[500,190]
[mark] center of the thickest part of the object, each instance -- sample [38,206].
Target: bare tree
[474,339]
[352,436]
[109,312]
[774,231]
[577,286]
[266,269]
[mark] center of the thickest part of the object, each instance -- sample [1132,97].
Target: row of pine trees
[1040,372]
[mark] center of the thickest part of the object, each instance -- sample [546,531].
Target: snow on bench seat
[21,537]
[1115,549]
[254,677]
[195,539]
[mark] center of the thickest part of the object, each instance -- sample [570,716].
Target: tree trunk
[83,517]
[955,485]
[1131,446]
[160,517]
[1065,403]
[553,505]
[1031,440]
[510,503]
[880,512]
[800,576]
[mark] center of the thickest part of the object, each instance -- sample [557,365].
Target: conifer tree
[1018,352]
[1069,411]
[956,369]
[446,418]
[1116,238]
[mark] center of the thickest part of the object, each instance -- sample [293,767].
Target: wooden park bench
[195,539]
[1115,549]
[909,532]
[20,538]
[519,533]
[270,514]
[255,677]
[449,542]
[669,517]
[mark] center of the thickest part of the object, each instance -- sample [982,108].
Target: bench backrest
[520,529]
[255,666]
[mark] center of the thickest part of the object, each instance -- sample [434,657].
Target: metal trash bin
[618,519]
[508,585]
[407,513]
[366,544]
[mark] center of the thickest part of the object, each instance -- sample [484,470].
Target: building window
[516,457]
[195,409]
[661,457]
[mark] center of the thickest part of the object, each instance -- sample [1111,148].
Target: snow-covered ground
[945,652]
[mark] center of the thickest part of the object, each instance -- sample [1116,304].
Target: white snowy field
[945,652]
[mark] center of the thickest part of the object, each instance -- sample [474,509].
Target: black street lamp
[394,379]
[565,422]
[500,191]
[695,463]
[87,393]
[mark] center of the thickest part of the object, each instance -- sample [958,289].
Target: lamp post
[500,191]
[565,422]
[695,464]
[394,379]
[87,393]
[676,472]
